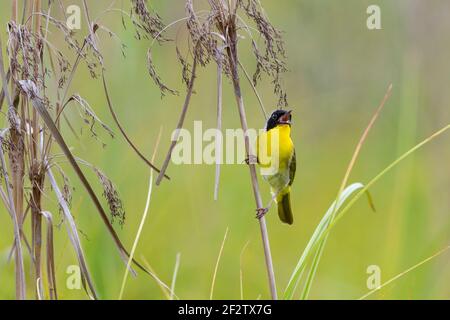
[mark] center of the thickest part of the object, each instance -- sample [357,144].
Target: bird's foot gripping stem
[261,212]
[251,159]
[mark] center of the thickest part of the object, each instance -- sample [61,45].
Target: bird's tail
[284,206]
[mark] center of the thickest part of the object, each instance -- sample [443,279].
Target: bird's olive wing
[292,168]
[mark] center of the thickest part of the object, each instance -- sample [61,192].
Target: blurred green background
[338,73]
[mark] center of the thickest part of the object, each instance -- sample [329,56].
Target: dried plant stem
[36,177]
[72,231]
[36,230]
[219,141]
[122,130]
[232,54]
[19,267]
[261,104]
[50,256]
[20,274]
[180,123]
[14,10]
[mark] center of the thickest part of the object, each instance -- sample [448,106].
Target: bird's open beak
[285,118]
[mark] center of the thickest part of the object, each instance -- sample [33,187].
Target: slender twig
[180,123]
[122,130]
[14,10]
[261,104]
[92,31]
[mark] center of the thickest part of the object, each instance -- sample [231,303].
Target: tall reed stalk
[215,38]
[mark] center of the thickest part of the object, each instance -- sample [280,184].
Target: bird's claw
[261,212]
[251,159]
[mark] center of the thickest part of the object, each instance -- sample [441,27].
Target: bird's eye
[274,116]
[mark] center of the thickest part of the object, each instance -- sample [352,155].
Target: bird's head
[279,117]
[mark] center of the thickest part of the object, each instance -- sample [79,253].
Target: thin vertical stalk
[216,268]
[174,275]
[141,224]
[50,257]
[122,130]
[232,54]
[219,141]
[14,10]
[36,223]
[261,104]
[36,176]
[19,267]
[20,274]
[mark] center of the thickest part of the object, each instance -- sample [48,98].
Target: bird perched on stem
[276,157]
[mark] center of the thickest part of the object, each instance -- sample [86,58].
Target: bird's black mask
[279,117]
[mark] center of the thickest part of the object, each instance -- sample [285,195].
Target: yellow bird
[276,157]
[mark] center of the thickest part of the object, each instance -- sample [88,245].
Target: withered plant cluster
[37,75]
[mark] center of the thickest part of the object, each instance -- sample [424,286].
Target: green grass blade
[319,234]
[216,268]
[321,228]
[319,252]
[382,173]
[401,274]
[141,224]
[313,270]
[138,235]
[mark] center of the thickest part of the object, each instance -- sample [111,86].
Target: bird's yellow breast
[275,145]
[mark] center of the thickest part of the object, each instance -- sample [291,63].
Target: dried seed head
[112,197]
[186,71]
[217,30]
[66,191]
[149,22]
[89,117]
[272,59]
[201,33]
[155,76]
[24,50]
